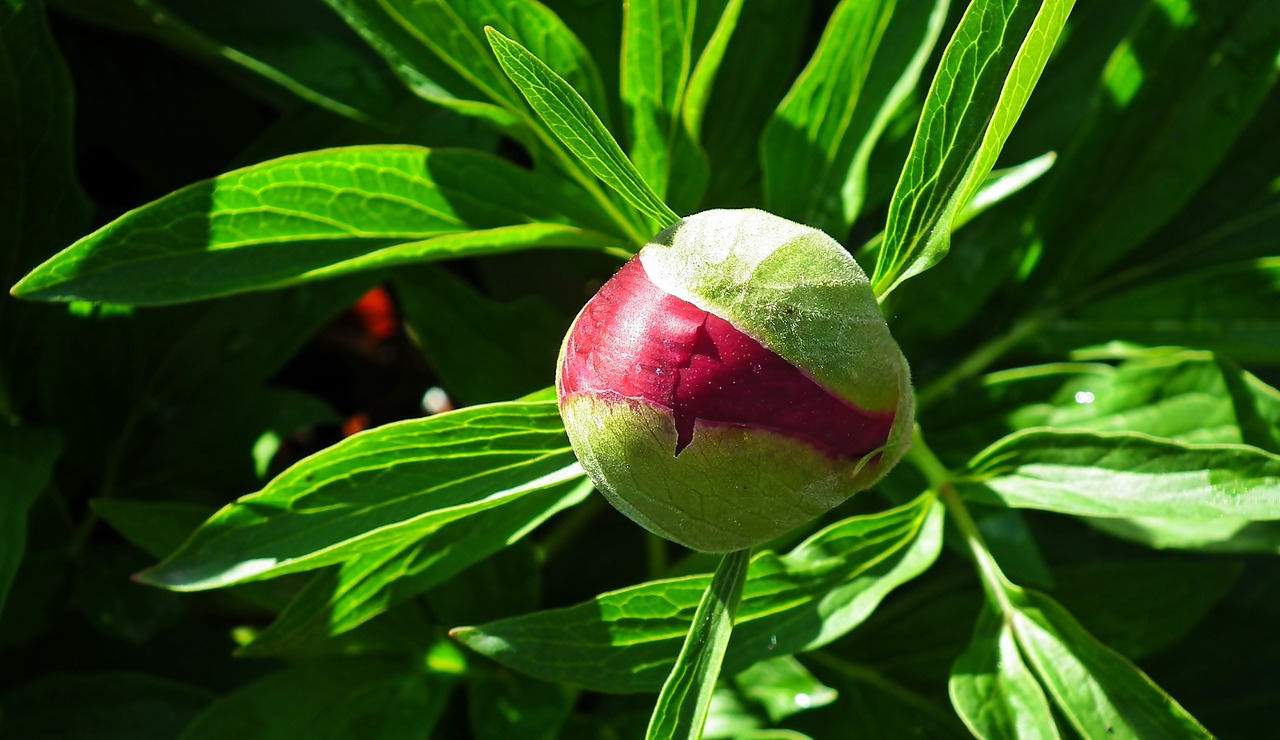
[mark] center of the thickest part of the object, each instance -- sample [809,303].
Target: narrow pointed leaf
[685,698]
[987,73]
[817,145]
[627,640]
[359,589]
[1127,475]
[309,215]
[1100,693]
[993,690]
[578,127]
[375,490]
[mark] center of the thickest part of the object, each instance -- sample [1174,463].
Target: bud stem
[940,480]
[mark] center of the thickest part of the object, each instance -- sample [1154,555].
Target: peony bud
[733,381]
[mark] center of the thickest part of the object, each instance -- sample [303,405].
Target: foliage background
[1154,227]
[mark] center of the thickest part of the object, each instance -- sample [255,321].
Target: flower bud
[733,381]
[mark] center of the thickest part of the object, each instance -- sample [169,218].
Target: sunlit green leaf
[357,590]
[627,640]
[994,691]
[817,145]
[571,119]
[385,487]
[985,77]
[314,215]
[1100,693]
[1127,475]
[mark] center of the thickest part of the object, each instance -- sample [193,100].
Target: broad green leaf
[627,640]
[681,711]
[357,590]
[572,121]
[382,488]
[503,704]
[376,698]
[1134,166]
[26,464]
[108,705]
[1192,397]
[1229,309]
[113,605]
[314,215]
[816,147]
[1126,475]
[986,75]
[994,691]
[1231,535]
[1100,693]
[281,46]
[481,350]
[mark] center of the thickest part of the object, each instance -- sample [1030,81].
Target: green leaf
[105,705]
[1101,693]
[987,73]
[1221,535]
[685,698]
[1229,309]
[1134,166]
[385,487]
[1126,475]
[382,698]
[816,147]
[994,691]
[1192,397]
[371,583]
[703,78]
[26,465]
[451,30]
[480,349]
[627,640]
[315,215]
[573,122]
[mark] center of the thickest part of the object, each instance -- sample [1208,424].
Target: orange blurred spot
[377,314]
[355,424]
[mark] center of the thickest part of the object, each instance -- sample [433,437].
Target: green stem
[682,707]
[940,480]
[980,359]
